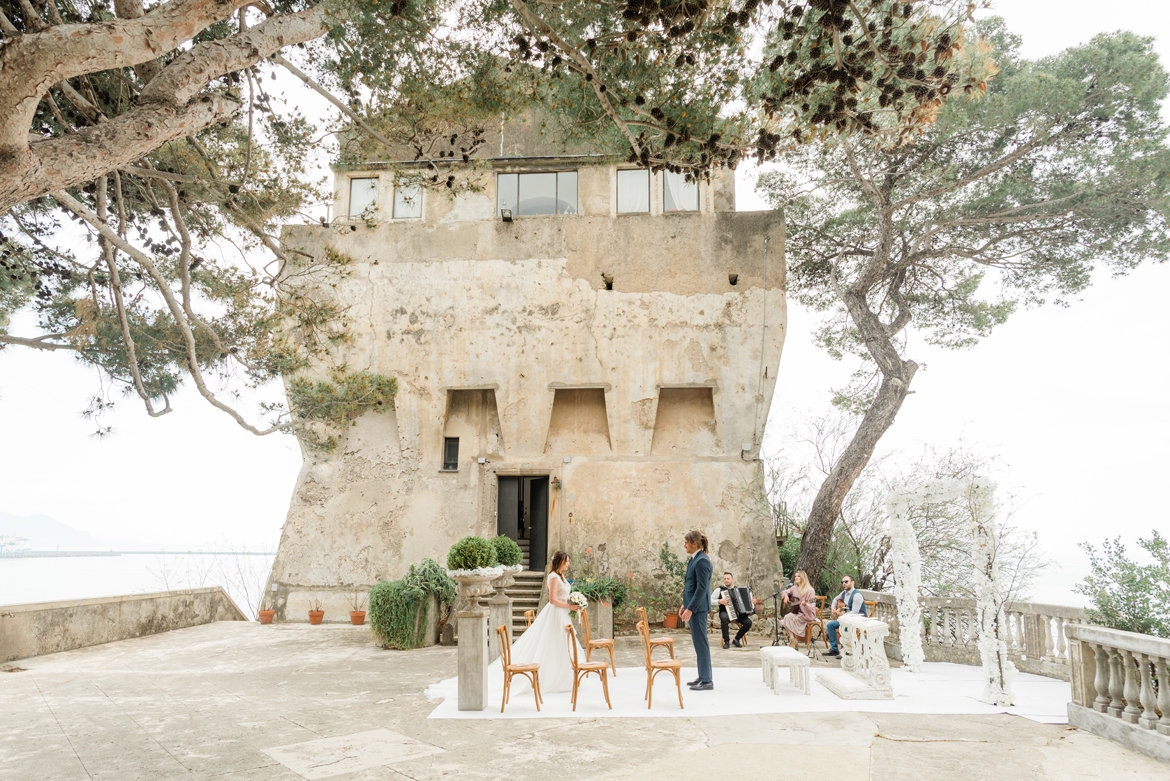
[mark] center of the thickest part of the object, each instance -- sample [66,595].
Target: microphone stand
[775,619]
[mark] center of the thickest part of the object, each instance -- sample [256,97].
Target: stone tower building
[585,355]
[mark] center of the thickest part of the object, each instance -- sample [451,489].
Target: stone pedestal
[500,611]
[473,640]
[601,619]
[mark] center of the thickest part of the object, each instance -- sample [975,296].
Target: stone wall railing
[48,627]
[1036,632]
[1121,687]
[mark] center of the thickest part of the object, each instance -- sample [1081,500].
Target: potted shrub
[266,616]
[605,595]
[316,614]
[405,613]
[357,601]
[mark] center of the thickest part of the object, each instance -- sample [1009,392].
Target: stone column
[500,612]
[473,640]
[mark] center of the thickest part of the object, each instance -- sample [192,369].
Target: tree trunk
[895,387]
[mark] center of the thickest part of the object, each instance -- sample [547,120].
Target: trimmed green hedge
[400,609]
[472,553]
[508,552]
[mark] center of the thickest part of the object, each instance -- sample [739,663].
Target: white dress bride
[544,643]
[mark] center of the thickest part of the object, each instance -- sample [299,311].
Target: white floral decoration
[989,600]
[578,599]
[478,572]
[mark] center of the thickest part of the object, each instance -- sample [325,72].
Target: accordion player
[735,604]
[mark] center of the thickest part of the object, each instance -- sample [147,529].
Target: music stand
[776,619]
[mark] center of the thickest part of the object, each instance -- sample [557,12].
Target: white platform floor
[938,689]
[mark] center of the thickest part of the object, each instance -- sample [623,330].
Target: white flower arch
[978,493]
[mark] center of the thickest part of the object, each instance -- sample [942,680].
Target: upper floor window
[633,191]
[679,195]
[450,454]
[363,198]
[407,201]
[537,193]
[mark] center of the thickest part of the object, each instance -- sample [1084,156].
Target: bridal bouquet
[578,599]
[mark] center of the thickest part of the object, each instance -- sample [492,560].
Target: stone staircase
[525,594]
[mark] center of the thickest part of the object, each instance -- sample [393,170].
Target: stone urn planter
[266,616]
[472,586]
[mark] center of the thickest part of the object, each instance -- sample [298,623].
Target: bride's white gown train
[544,643]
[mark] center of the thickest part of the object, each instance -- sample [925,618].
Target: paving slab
[231,700]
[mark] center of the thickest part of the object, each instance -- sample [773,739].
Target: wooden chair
[590,643]
[581,670]
[656,642]
[807,637]
[655,667]
[530,671]
[529,617]
[871,608]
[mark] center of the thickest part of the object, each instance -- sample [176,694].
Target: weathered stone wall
[49,627]
[638,400]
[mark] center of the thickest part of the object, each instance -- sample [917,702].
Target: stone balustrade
[1036,633]
[1121,687]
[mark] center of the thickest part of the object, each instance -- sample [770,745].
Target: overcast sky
[1071,399]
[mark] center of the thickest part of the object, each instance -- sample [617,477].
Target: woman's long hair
[559,558]
[696,537]
[807,587]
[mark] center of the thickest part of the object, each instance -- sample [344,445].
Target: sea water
[25,580]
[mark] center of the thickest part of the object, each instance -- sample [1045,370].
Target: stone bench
[865,671]
[772,658]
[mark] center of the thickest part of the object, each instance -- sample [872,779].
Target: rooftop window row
[532,194]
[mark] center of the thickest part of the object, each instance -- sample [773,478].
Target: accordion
[739,600]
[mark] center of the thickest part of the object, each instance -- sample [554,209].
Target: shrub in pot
[266,616]
[508,553]
[472,552]
[316,614]
[405,613]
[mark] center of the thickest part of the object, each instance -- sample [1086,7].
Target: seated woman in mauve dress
[801,594]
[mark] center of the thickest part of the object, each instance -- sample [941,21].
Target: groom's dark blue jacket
[697,587]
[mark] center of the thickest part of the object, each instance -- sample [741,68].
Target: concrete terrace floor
[215,701]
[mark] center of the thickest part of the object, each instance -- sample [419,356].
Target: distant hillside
[45,533]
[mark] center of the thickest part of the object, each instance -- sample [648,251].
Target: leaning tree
[153,128]
[1013,199]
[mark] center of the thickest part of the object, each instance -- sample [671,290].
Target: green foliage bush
[400,609]
[472,552]
[508,553]
[600,589]
[1124,594]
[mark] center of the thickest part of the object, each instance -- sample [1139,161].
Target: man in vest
[850,600]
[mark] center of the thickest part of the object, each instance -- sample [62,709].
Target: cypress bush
[508,553]
[471,552]
[399,610]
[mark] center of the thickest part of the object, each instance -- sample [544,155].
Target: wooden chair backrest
[642,615]
[821,606]
[870,608]
[644,633]
[572,640]
[505,646]
[529,617]
[585,625]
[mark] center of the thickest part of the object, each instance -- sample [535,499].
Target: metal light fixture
[556,482]
[506,215]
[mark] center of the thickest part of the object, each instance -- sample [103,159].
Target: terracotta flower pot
[357,617]
[266,616]
[670,621]
[316,617]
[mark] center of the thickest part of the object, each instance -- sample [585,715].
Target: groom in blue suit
[696,603]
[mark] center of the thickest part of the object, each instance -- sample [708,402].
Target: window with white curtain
[633,192]
[407,201]
[363,198]
[679,195]
[531,194]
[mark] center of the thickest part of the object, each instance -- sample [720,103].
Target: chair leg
[536,690]
[650,689]
[678,683]
[611,662]
[576,683]
[504,696]
[605,687]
